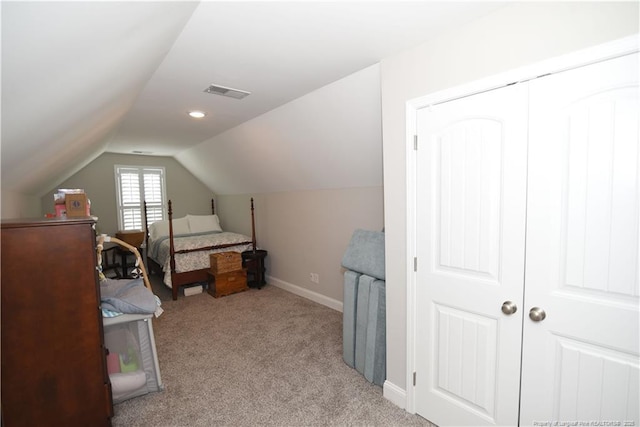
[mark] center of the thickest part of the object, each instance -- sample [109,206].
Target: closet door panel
[471,184]
[582,246]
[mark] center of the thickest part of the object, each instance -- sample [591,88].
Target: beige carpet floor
[257,358]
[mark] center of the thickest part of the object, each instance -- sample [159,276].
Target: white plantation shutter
[154,196]
[136,184]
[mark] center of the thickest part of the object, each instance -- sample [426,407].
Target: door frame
[601,52]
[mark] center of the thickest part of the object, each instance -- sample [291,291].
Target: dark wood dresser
[53,357]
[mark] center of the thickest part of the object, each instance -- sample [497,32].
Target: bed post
[213,207]
[146,229]
[172,254]
[253,228]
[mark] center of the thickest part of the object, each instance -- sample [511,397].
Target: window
[134,185]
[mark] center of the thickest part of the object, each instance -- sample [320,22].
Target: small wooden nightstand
[126,264]
[253,261]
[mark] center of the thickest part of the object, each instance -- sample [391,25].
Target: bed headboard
[145,218]
[213,212]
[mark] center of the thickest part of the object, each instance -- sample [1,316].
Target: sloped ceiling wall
[329,138]
[60,116]
[83,78]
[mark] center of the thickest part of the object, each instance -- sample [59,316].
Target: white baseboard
[395,394]
[305,293]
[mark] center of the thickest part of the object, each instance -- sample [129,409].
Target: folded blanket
[365,253]
[127,296]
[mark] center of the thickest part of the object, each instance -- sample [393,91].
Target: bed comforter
[159,250]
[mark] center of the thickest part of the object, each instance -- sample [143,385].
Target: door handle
[509,307]
[537,314]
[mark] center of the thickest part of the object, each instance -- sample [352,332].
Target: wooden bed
[197,246]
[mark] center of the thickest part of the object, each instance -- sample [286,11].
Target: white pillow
[204,223]
[181,226]
[161,228]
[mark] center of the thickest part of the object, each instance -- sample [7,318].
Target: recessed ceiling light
[197,114]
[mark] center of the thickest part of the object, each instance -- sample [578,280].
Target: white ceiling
[81,78]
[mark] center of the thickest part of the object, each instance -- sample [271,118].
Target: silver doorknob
[509,307]
[537,314]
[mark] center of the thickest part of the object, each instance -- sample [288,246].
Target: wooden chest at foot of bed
[225,262]
[227,283]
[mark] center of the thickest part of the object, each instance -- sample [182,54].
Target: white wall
[509,38]
[17,205]
[306,232]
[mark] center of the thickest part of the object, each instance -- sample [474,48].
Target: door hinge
[415,263]
[415,142]
[414,378]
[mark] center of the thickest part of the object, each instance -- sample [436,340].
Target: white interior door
[470,215]
[581,362]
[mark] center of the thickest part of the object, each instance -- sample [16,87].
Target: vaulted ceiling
[83,78]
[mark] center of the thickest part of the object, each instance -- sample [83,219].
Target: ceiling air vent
[227,91]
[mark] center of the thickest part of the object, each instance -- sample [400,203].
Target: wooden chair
[111,268]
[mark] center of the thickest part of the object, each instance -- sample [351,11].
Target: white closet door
[470,215]
[581,362]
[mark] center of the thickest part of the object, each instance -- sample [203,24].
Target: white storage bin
[131,360]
